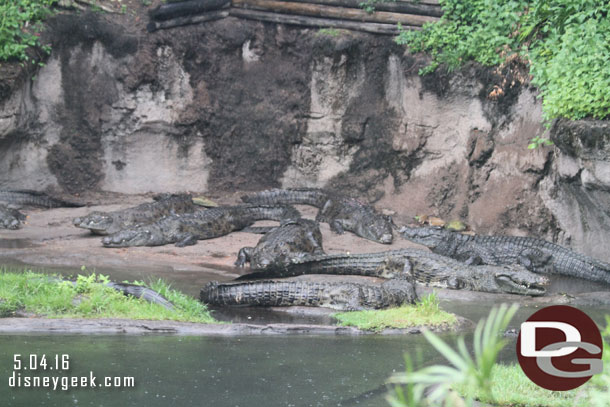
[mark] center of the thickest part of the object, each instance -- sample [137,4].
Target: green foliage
[599,392]
[46,295]
[424,313]
[466,370]
[331,32]
[511,387]
[20,28]
[538,141]
[565,42]
[481,379]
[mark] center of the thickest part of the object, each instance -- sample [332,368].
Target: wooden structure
[342,14]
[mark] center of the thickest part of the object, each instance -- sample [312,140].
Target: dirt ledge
[111,326]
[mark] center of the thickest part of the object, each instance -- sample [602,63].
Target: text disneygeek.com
[22,364]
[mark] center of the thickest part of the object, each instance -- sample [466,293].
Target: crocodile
[340,212]
[141,292]
[10,218]
[340,296]
[105,223]
[278,247]
[535,254]
[34,198]
[187,229]
[422,266]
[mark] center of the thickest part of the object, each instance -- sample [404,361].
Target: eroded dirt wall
[239,105]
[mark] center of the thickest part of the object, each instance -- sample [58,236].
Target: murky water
[240,371]
[218,372]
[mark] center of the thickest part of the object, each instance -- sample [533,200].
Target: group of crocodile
[175,219]
[490,264]
[340,212]
[497,264]
[294,249]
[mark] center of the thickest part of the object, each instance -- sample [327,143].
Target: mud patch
[16,243]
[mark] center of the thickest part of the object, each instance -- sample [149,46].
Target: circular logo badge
[559,348]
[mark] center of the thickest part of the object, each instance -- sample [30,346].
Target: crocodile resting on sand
[340,212]
[534,254]
[277,248]
[105,223]
[187,229]
[34,198]
[421,266]
[340,296]
[10,218]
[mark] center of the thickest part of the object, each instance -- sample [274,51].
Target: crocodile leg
[187,240]
[536,260]
[244,256]
[337,227]
[475,255]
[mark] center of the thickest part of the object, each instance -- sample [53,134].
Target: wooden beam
[376,28]
[180,21]
[394,6]
[185,9]
[316,10]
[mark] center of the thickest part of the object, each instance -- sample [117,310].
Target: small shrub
[20,27]
[565,42]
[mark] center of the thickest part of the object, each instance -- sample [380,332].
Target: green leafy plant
[511,387]
[468,370]
[85,284]
[20,28]
[50,296]
[538,141]
[426,312]
[599,392]
[565,43]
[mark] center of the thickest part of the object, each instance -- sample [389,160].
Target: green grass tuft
[42,295]
[425,313]
[511,387]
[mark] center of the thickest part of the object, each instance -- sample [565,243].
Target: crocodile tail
[35,198]
[261,293]
[277,213]
[142,292]
[152,296]
[384,264]
[303,196]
